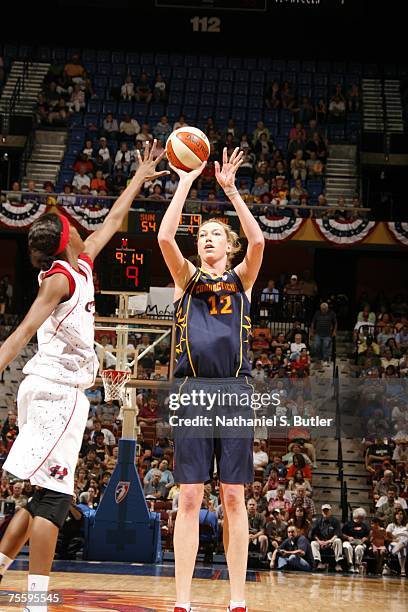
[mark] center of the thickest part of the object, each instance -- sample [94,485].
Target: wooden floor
[267,592]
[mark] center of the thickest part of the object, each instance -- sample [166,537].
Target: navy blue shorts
[216,430]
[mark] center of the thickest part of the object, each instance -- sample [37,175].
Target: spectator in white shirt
[103,150]
[180,123]
[159,89]
[297,345]
[260,457]
[129,126]
[80,179]
[127,91]
[171,185]
[123,158]
[258,373]
[270,294]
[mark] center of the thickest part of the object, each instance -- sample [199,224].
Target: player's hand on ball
[226,175]
[188,176]
[147,166]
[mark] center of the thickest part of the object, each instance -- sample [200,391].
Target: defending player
[212,318]
[52,406]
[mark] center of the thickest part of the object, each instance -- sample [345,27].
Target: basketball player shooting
[212,319]
[52,406]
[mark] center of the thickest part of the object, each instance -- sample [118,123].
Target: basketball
[187,148]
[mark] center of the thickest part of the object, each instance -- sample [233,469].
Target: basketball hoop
[114,382]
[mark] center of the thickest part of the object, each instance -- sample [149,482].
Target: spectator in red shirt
[148,415]
[299,463]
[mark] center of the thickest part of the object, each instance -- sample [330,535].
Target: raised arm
[248,269]
[180,268]
[146,170]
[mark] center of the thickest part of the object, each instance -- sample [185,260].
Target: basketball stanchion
[123,528]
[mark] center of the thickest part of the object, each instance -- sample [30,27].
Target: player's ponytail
[232,238]
[44,239]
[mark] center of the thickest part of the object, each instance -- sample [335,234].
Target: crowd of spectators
[287,179]
[381,338]
[66,90]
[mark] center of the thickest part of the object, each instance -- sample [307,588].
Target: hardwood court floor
[280,592]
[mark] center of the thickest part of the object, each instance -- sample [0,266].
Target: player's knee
[190,498]
[233,497]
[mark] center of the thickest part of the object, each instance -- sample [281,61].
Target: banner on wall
[89,218]
[21,211]
[399,231]
[19,215]
[344,233]
[279,229]
[24,210]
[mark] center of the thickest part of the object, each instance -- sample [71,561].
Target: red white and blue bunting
[88,214]
[21,214]
[344,233]
[88,217]
[399,231]
[279,229]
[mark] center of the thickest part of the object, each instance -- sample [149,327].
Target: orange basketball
[187,148]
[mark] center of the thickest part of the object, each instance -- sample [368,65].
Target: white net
[114,382]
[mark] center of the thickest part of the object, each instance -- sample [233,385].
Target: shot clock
[126,268]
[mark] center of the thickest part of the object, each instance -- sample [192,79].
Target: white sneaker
[326,364]
[386,571]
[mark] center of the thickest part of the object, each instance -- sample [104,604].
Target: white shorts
[51,420]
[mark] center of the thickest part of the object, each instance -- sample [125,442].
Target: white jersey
[66,339]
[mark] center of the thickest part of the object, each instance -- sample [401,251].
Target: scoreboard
[148,223]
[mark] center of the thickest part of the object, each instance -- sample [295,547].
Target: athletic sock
[5,563]
[237,604]
[184,606]
[38,583]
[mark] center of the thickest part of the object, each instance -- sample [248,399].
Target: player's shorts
[51,419]
[50,505]
[231,445]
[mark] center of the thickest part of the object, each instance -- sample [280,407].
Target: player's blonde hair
[232,238]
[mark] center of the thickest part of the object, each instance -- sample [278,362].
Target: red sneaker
[237,609]
[181,610]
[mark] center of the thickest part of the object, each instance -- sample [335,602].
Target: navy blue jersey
[212,327]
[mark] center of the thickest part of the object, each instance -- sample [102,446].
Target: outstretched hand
[188,176]
[226,175]
[147,166]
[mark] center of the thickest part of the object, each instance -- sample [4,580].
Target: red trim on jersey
[59,269]
[88,260]
[65,428]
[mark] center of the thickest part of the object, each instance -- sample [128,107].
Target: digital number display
[126,268]
[189,223]
[148,224]
[128,256]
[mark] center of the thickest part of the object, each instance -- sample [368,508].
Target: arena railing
[201,206]
[340,461]
[284,310]
[15,96]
